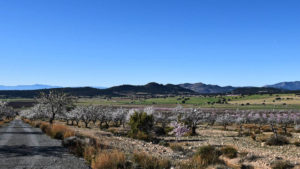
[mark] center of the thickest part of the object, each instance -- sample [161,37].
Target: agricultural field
[266,101]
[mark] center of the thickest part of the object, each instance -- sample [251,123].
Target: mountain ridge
[120,91]
[203,88]
[295,85]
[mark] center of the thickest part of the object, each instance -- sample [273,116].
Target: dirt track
[25,147]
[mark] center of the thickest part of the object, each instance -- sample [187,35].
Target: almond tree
[56,102]
[179,129]
[192,118]
[164,118]
[86,114]
[6,111]
[225,119]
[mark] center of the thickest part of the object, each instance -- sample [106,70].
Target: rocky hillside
[286,85]
[207,89]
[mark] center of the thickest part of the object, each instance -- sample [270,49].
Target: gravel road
[25,147]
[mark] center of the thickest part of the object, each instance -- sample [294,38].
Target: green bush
[229,152]
[140,124]
[277,141]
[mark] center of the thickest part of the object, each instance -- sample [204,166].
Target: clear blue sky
[112,42]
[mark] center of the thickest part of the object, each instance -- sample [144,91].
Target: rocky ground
[264,154]
[252,152]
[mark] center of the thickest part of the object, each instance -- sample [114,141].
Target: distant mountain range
[286,85]
[36,87]
[214,89]
[28,87]
[120,91]
[29,91]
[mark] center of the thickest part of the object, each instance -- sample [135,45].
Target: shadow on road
[21,132]
[18,127]
[23,150]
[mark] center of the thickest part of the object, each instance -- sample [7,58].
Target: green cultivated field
[286,101]
[266,101]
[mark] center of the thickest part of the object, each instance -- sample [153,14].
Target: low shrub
[277,141]
[59,131]
[282,165]
[164,143]
[253,136]
[169,129]
[285,134]
[44,127]
[109,160]
[159,131]
[140,125]
[112,130]
[148,162]
[207,155]
[176,147]
[142,136]
[229,152]
[257,131]
[247,166]
[77,148]
[297,143]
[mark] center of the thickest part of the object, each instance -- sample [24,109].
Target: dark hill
[286,85]
[150,88]
[207,88]
[257,90]
[123,90]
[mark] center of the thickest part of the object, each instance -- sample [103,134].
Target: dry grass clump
[59,131]
[148,162]
[229,152]
[207,155]
[89,153]
[176,147]
[109,160]
[4,122]
[56,131]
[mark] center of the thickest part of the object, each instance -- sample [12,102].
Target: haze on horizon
[108,43]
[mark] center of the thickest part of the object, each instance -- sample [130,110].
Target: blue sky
[113,42]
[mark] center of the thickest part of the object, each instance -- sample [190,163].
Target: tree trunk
[194,130]
[52,118]
[274,131]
